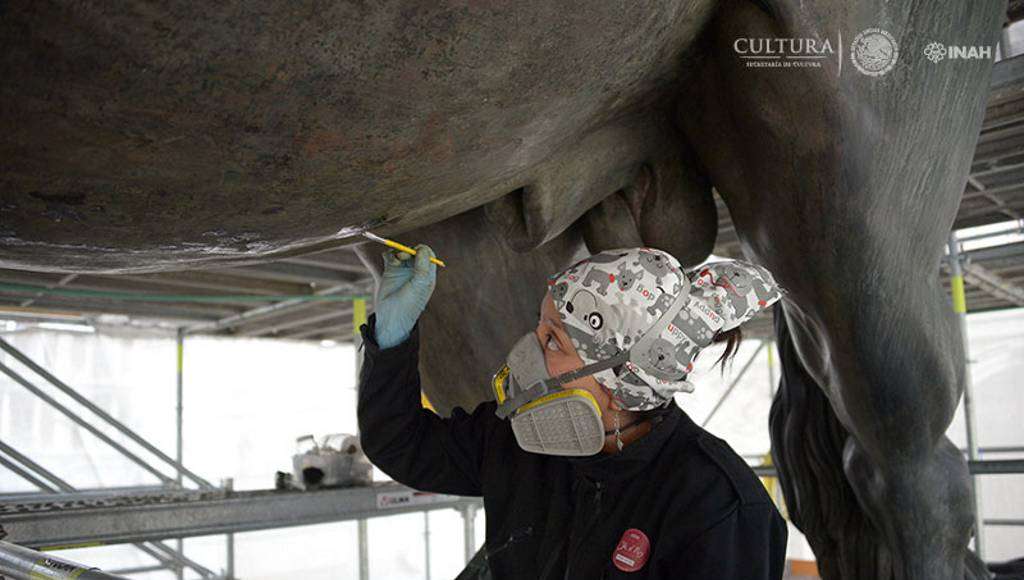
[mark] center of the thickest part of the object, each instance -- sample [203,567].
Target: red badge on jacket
[632,552]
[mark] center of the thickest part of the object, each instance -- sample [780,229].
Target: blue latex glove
[405,287]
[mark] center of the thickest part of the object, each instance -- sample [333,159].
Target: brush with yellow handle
[397,246]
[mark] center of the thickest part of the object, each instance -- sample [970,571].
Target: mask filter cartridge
[546,418]
[566,423]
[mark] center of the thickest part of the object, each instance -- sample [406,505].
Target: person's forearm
[388,409]
[408,442]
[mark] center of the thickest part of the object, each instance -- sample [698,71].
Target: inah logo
[936,51]
[874,52]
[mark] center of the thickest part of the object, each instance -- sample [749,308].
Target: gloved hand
[405,287]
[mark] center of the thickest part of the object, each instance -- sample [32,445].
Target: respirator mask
[550,419]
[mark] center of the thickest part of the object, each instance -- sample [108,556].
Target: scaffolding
[184,504]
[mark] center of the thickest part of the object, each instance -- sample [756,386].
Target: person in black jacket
[662,498]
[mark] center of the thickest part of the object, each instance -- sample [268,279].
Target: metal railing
[48,482]
[103,415]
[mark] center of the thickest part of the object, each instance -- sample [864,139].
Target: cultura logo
[783,52]
[936,52]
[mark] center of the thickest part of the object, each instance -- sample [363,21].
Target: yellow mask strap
[498,383]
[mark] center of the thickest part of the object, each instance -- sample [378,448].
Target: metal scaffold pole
[178,409]
[469,530]
[735,381]
[1005,47]
[179,447]
[426,542]
[87,425]
[358,319]
[970,421]
[228,485]
[231,557]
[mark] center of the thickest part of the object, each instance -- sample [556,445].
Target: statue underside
[518,139]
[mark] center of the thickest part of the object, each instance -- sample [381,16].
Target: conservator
[657,496]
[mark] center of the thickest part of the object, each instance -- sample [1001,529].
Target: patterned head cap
[608,301]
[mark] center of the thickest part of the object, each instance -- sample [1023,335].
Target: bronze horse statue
[517,137]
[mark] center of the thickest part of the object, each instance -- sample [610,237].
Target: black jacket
[704,512]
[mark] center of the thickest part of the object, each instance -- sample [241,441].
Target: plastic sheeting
[131,378]
[997,368]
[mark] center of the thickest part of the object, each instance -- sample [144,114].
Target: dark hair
[732,339]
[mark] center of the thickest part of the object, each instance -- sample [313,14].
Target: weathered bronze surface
[515,137]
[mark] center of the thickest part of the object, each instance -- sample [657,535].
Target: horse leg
[845,186]
[807,449]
